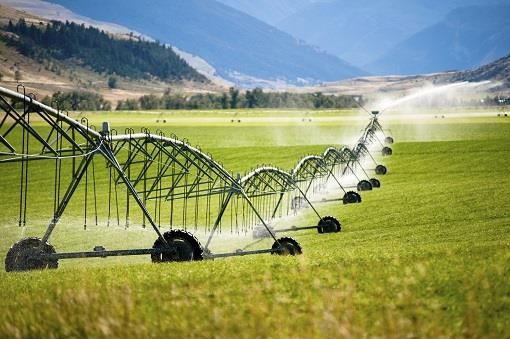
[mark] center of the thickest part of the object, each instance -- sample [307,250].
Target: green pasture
[426,255]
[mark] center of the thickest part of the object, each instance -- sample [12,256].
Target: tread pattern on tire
[375,182]
[286,240]
[11,259]
[328,219]
[348,198]
[198,252]
[386,151]
[364,185]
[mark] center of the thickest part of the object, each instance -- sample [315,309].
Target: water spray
[166,183]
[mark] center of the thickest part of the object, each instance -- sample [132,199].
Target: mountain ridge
[468,37]
[269,11]
[496,71]
[229,40]
[361,32]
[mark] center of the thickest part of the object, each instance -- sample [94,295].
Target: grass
[427,255]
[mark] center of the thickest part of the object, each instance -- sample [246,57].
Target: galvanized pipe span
[151,168]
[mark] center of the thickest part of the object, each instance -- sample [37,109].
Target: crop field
[426,255]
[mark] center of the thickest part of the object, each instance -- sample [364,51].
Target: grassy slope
[68,76]
[427,254]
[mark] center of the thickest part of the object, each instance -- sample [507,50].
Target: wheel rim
[380,169]
[389,140]
[387,151]
[351,198]
[364,185]
[181,250]
[286,246]
[287,249]
[180,246]
[329,224]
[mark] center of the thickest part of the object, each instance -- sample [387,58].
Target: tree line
[77,101]
[234,98]
[98,50]
[257,98]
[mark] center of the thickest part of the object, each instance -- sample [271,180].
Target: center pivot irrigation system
[163,182]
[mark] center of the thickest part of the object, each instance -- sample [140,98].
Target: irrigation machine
[161,183]
[161,180]
[276,192]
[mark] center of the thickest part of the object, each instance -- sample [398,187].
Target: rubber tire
[381,169]
[389,140]
[286,246]
[351,197]
[186,244]
[386,151]
[364,185]
[375,183]
[18,257]
[329,224]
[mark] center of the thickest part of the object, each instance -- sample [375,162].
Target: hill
[98,50]
[47,75]
[362,31]
[497,71]
[269,11]
[239,46]
[468,37]
[45,11]
[357,31]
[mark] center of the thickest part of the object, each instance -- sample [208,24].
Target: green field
[426,255]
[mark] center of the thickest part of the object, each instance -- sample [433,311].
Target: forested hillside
[241,48]
[94,48]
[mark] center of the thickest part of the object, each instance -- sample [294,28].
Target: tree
[149,102]
[78,100]
[100,51]
[128,105]
[224,101]
[318,100]
[17,75]
[112,82]
[234,97]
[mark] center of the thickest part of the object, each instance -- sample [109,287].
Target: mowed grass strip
[426,255]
